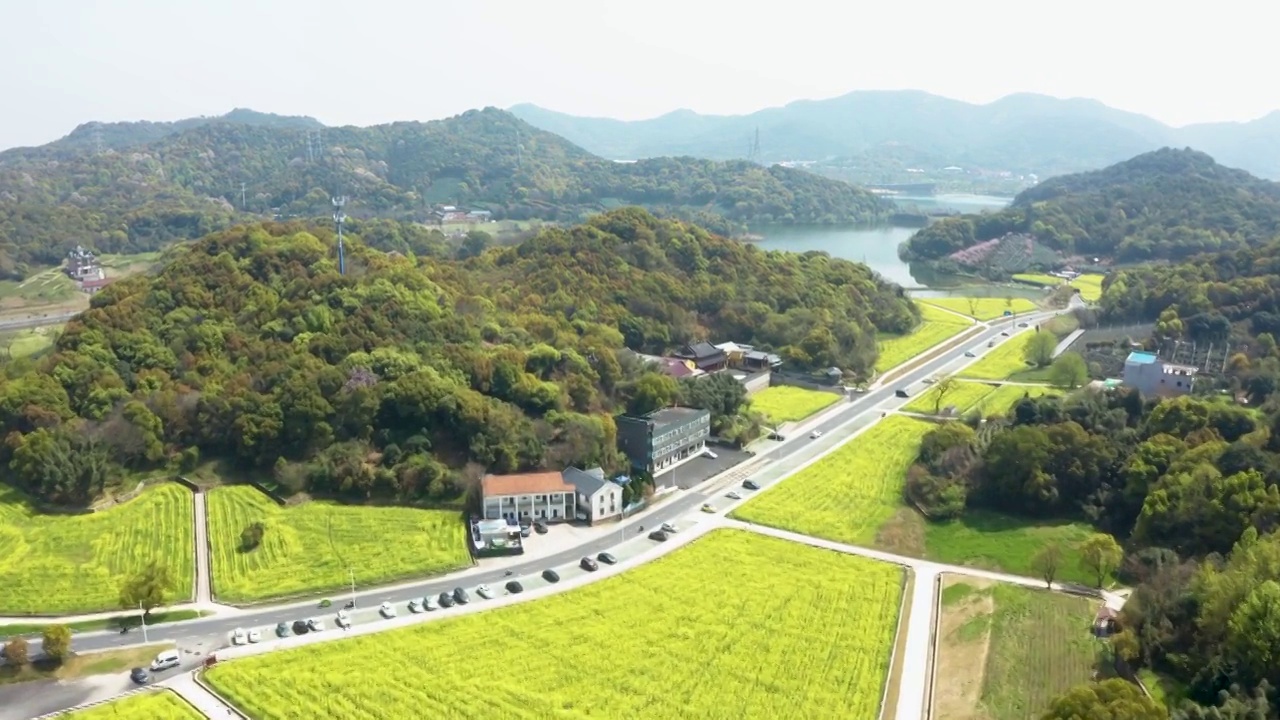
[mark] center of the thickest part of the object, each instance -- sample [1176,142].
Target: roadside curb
[96,703]
[908,578]
[197,676]
[931,672]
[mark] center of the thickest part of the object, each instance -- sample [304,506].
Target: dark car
[900,392]
[282,630]
[540,527]
[1005,334]
[300,627]
[514,587]
[525,530]
[607,558]
[551,576]
[140,676]
[446,600]
[589,565]
[461,596]
[751,484]
[658,535]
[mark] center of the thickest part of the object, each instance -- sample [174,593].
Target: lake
[876,246]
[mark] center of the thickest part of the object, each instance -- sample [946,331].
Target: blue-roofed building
[1154,377]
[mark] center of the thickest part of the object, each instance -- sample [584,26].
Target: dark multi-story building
[656,441]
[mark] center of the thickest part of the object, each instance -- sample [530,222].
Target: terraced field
[159,705]
[61,564]
[313,547]
[982,308]
[792,631]
[847,495]
[936,327]
[787,403]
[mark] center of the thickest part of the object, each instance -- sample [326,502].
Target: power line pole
[144,622]
[352,572]
[242,201]
[339,217]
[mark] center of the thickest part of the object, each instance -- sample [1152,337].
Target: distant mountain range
[891,130]
[129,187]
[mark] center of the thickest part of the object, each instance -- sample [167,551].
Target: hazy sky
[371,61]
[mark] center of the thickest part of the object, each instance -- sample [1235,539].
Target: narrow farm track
[204,594]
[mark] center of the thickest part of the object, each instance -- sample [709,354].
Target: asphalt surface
[37,321]
[209,633]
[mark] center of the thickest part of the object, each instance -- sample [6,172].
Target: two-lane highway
[213,632]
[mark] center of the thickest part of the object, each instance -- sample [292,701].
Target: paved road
[205,635]
[31,322]
[204,595]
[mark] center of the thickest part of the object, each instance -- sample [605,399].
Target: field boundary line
[931,672]
[197,676]
[908,575]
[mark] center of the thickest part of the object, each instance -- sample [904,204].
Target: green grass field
[982,308]
[1089,284]
[810,636]
[1005,651]
[787,403]
[1002,399]
[1006,359]
[847,495]
[157,705]
[973,396]
[26,342]
[936,327]
[60,564]
[47,287]
[310,548]
[993,541]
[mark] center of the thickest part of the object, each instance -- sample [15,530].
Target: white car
[668,527]
[484,592]
[255,636]
[815,434]
[416,605]
[928,381]
[733,495]
[239,636]
[387,610]
[315,624]
[429,603]
[710,455]
[343,620]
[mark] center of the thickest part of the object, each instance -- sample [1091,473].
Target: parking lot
[700,468]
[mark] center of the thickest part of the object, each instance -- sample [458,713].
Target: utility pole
[340,217]
[242,201]
[353,586]
[144,622]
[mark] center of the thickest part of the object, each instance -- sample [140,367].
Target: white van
[165,660]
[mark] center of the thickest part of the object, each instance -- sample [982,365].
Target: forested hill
[187,183]
[393,378]
[1166,204]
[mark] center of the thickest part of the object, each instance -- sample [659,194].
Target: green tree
[942,388]
[1253,633]
[16,652]
[652,391]
[1113,699]
[1047,561]
[1125,645]
[1069,370]
[55,641]
[148,588]
[251,536]
[1039,348]
[1100,555]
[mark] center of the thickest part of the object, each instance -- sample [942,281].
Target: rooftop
[525,484]
[699,350]
[1141,358]
[587,482]
[671,415]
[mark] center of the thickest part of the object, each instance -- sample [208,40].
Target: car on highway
[928,381]
[658,535]
[1004,333]
[300,627]
[514,587]
[901,392]
[282,630]
[429,603]
[255,636]
[446,600]
[140,676]
[991,343]
[315,624]
[776,436]
[239,636]
[969,354]
[751,484]
[484,592]
[708,508]
[1022,324]
[733,495]
[551,576]
[668,527]
[815,434]
[387,610]
[417,605]
[607,558]
[589,565]
[461,596]
[343,620]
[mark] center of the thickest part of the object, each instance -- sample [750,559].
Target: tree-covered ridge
[186,183]
[395,377]
[1167,204]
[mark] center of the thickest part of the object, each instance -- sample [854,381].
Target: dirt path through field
[964,641]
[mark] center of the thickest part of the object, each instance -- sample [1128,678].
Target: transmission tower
[753,147]
[97,139]
[340,217]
